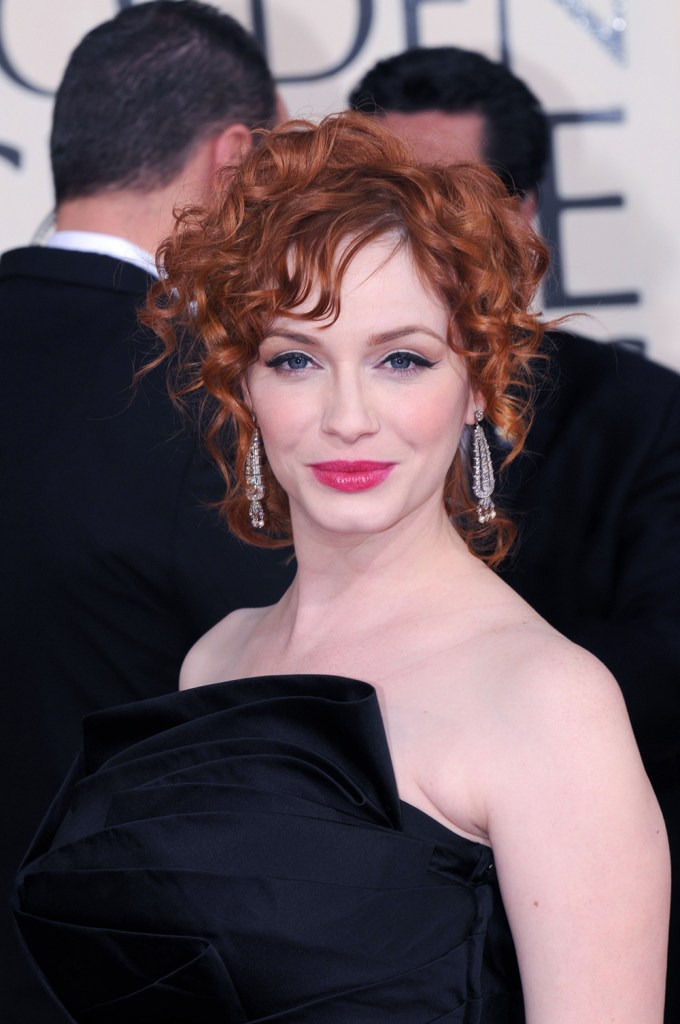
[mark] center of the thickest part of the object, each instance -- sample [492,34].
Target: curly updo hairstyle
[285,226]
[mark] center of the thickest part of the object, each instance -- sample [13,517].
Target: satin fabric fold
[239,853]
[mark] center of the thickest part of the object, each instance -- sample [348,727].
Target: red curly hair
[276,231]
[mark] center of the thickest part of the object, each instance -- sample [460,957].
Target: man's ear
[282,112]
[231,145]
[529,205]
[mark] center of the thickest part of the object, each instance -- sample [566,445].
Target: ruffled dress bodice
[239,853]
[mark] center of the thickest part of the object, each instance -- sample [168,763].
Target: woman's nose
[349,412]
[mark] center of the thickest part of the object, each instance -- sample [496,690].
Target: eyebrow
[383,337]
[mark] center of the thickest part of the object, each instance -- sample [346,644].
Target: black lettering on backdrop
[411,19]
[412,31]
[608,32]
[8,67]
[10,154]
[553,206]
[364,22]
[503,33]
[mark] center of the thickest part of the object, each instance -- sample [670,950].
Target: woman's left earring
[482,472]
[254,482]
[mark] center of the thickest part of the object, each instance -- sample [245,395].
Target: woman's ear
[475,402]
[246,396]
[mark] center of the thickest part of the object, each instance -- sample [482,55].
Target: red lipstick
[351,476]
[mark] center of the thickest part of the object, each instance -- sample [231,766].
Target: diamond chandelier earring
[254,483]
[482,472]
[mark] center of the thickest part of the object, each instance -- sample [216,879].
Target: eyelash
[418,361]
[279,362]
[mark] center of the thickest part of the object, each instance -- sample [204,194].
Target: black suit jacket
[597,499]
[112,563]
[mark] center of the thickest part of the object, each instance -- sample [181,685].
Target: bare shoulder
[559,742]
[548,679]
[517,663]
[548,695]
[213,657]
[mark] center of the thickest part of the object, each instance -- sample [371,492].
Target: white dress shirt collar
[104,245]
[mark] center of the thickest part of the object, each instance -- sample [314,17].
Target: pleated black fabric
[238,853]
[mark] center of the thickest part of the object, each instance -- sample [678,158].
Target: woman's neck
[364,576]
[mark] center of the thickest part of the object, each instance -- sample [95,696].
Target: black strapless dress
[239,853]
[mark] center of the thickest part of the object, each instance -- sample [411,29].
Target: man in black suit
[597,494]
[113,559]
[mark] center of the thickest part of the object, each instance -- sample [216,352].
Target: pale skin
[441,138]
[498,727]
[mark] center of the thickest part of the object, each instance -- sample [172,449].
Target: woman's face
[361,418]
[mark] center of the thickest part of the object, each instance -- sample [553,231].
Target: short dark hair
[141,90]
[454,81]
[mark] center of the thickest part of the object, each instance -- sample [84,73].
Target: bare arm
[580,849]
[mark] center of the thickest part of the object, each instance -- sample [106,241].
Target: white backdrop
[608,72]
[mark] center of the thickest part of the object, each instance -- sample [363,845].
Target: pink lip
[351,476]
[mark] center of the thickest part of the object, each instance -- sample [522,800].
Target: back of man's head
[448,79]
[142,90]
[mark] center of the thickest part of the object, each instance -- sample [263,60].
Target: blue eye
[290,361]
[403,362]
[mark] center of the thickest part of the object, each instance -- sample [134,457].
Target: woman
[333,846]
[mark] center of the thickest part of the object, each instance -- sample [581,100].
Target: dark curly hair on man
[456,81]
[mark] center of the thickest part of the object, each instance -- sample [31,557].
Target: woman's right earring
[482,472]
[254,483]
